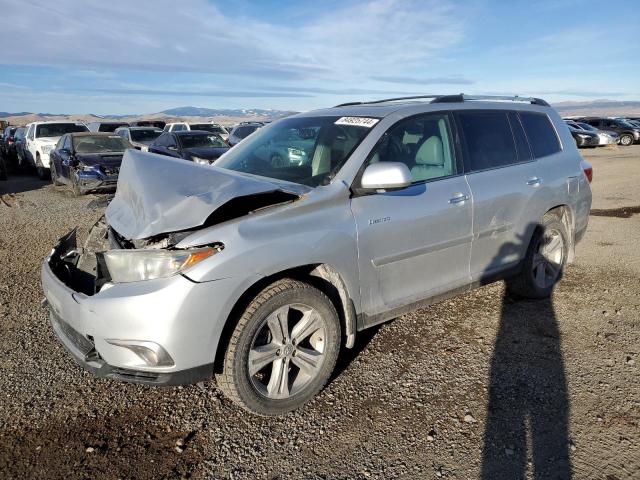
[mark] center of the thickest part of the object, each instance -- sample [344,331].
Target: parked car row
[624,131]
[31,146]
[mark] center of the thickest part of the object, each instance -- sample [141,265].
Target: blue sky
[119,57]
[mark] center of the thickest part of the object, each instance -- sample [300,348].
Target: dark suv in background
[242,131]
[629,133]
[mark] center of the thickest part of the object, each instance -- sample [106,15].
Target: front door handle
[458,198]
[534,182]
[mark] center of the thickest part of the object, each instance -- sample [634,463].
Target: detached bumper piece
[98,178]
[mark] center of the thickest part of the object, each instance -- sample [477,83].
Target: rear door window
[541,134]
[487,139]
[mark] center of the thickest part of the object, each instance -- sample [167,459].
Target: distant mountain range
[214,112]
[228,116]
[599,107]
[172,112]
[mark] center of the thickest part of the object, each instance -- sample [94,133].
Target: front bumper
[95,179]
[44,159]
[184,317]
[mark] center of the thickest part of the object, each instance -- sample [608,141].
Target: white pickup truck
[41,139]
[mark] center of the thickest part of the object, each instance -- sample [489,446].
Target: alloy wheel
[287,351]
[548,260]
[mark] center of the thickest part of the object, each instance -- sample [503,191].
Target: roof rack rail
[453,99]
[384,100]
[503,98]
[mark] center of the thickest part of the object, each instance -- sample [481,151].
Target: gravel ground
[476,387]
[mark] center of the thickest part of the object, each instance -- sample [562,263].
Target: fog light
[151,353]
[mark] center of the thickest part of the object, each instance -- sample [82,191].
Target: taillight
[587,169]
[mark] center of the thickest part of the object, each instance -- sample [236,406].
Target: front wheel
[54,176]
[626,140]
[282,350]
[75,185]
[545,260]
[40,168]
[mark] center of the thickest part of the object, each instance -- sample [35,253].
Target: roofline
[452,99]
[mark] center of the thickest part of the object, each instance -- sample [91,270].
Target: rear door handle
[458,198]
[534,182]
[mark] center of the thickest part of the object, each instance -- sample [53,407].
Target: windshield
[59,129]
[244,132]
[111,127]
[144,135]
[202,141]
[207,127]
[624,124]
[306,150]
[100,144]
[586,126]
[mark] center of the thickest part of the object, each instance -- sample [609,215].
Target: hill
[613,108]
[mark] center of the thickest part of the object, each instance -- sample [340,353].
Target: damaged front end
[107,257]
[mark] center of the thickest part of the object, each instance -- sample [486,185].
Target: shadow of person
[526,433]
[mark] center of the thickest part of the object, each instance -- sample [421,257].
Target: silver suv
[258,272]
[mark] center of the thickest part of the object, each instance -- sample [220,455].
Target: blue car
[88,161]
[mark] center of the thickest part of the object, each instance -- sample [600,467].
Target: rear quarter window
[541,134]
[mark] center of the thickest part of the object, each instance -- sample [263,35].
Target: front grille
[111,170]
[78,340]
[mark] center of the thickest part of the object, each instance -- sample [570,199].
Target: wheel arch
[566,216]
[322,276]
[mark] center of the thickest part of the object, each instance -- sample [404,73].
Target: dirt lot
[476,387]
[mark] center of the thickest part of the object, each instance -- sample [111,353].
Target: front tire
[54,176]
[282,350]
[40,168]
[544,263]
[626,140]
[75,185]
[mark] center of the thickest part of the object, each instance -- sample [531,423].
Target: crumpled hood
[210,153]
[159,194]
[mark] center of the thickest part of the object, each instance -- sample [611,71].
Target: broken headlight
[135,265]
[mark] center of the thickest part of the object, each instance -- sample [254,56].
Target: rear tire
[282,350]
[626,140]
[544,263]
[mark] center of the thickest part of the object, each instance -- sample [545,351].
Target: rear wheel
[545,260]
[626,139]
[283,349]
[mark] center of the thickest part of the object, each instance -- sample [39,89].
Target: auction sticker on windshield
[357,121]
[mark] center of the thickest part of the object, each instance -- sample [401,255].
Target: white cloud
[356,40]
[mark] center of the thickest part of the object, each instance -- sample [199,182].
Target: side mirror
[172,148]
[386,176]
